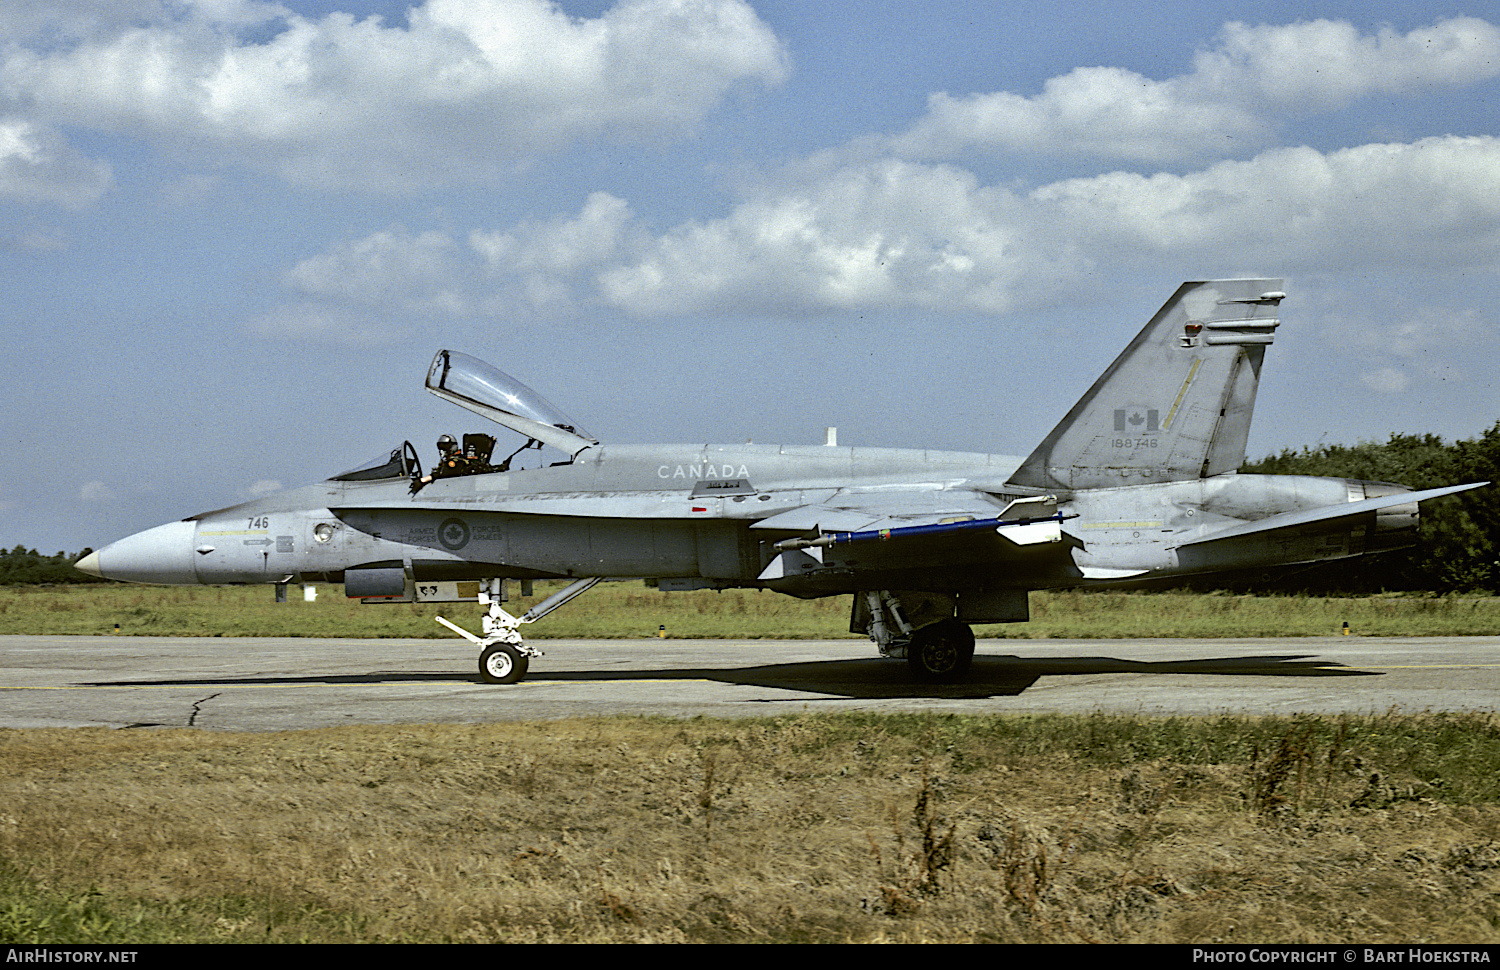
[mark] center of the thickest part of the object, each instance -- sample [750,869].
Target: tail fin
[1176,404]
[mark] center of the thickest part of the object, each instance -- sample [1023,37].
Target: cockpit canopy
[400,462]
[471,383]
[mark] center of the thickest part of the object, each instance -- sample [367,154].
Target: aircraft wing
[1291,524]
[849,513]
[876,530]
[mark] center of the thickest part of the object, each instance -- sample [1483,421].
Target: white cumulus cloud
[883,234]
[901,234]
[462,89]
[1371,205]
[389,269]
[873,225]
[550,265]
[1324,64]
[1236,94]
[892,234]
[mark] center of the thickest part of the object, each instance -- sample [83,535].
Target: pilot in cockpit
[451,461]
[472,459]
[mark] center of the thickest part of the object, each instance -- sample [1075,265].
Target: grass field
[634,610]
[816,828]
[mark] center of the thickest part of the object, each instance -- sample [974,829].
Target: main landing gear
[940,651]
[504,657]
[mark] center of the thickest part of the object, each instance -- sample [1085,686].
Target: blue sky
[234,233]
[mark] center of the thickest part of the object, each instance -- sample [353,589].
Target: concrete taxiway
[265,684]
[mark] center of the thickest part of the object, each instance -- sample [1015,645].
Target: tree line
[1459,545]
[27,567]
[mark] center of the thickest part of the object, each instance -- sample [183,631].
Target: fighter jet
[1137,482]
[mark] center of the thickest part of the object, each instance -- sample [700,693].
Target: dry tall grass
[814,828]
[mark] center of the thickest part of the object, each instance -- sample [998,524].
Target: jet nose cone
[162,555]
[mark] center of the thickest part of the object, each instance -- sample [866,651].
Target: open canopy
[471,383]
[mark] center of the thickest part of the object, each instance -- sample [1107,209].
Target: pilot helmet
[447,444]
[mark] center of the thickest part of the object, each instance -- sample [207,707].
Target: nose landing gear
[504,658]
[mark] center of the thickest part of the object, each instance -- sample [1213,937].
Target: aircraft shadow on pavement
[866,678]
[1001,676]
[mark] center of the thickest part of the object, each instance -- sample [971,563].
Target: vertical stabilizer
[1177,403]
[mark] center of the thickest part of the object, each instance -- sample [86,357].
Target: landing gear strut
[939,651]
[504,657]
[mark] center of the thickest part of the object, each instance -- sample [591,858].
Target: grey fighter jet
[1138,482]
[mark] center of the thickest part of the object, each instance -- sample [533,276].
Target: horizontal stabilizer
[1327,516]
